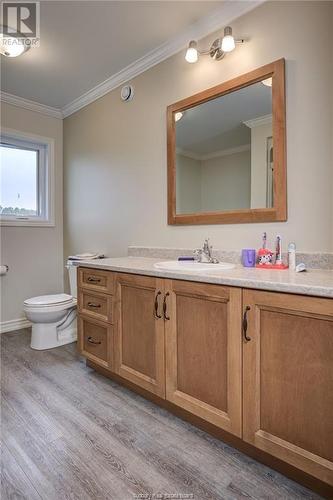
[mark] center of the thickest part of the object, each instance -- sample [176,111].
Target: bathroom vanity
[228,351]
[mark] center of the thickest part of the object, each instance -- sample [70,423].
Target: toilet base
[48,335]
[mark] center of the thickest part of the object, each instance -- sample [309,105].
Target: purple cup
[248,257]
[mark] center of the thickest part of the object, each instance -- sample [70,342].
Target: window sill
[27,223]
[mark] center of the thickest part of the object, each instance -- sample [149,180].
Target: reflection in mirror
[224,152]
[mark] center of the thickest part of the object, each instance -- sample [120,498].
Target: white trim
[14,324]
[228,12]
[20,102]
[257,122]
[206,25]
[215,154]
[227,152]
[50,181]
[188,154]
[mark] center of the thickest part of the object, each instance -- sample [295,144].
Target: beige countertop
[313,282]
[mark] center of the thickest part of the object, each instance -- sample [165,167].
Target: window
[25,194]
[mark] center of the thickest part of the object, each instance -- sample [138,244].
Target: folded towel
[86,256]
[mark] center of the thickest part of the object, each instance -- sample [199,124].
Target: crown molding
[226,152]
[20,102]
[215,154]
[225,14]
[257,122]
[189,154]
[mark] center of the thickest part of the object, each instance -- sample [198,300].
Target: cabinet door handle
[165,307]
[246,337]
[92,304]
[91,279]
[156,315]
[92,341]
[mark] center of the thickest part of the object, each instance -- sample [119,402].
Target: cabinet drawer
[97,305]
[96,340]
[95,279]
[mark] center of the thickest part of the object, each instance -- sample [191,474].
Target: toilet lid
[49,300]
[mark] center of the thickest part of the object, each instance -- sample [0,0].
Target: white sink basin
[183,265]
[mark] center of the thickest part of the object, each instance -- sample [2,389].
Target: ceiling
[83,43]
[219,124]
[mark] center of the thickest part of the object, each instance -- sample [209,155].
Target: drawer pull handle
[92,304]
[156,315]
[246,337]
[91,279]
[166,317]
[92,341]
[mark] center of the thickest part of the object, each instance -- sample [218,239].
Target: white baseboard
[14,324]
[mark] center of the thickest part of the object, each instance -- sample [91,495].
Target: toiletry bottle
[278,251]
[292,256]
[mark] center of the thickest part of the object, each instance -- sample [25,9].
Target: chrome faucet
[204,254]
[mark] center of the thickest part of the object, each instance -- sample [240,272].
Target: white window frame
[45,178]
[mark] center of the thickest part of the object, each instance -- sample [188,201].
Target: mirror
[226,160]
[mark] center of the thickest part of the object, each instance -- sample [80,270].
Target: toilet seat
[61,299]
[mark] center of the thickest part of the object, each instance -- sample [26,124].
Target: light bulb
[268,82]
[11,46]
[178,116]
[191,55]
[228,42]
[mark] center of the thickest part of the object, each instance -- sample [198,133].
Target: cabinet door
[139,336]
[288,379]
[204,351]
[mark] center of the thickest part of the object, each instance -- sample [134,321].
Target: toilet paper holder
[4,269]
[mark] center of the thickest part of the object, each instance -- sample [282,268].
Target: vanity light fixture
[218,49]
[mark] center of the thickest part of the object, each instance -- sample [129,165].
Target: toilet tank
[72,273]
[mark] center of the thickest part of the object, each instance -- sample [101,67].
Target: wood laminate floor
[70,433]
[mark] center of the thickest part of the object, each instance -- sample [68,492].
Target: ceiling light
[268,82]
[217,50]
[228,41]
[192,52]
[178,116]
[12,45]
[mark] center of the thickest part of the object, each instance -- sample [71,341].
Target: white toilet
[53,317]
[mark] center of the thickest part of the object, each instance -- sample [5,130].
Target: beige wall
[34,254]
[115,153]
[213,184]
[226,182]
[188,184]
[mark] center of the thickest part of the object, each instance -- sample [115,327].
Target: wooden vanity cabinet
[288,379]
[271,385]
[139,334]
[204,351]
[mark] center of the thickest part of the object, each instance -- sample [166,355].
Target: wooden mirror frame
[278,212]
